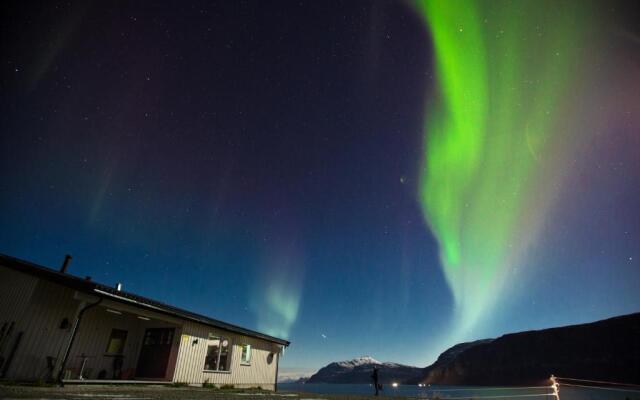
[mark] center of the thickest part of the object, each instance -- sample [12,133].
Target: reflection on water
[467,392]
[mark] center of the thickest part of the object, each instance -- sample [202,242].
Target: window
[246,354]
[218,354]
[116,342]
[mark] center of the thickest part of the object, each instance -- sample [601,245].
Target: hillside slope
[602,350]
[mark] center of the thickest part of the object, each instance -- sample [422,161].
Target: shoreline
[160,392]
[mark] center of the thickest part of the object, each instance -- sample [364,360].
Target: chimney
[118,286]
[65,264]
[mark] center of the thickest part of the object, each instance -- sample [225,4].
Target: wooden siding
[191,357]
[15,293]
[38,313]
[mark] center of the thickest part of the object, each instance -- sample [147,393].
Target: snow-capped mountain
[359,370]
[294,375]
[356,362]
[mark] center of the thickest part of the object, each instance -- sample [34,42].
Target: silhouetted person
[374,376]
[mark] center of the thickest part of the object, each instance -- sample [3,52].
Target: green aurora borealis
[382,178]
[504,71]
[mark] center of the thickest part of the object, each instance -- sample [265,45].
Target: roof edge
[91,287]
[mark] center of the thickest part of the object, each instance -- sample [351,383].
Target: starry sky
[360,177]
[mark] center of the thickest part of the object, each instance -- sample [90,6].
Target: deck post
[554,385]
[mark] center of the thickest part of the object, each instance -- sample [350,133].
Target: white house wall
[191,357]
[15,292]
[41,311]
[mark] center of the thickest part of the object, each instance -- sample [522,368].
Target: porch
[118,343]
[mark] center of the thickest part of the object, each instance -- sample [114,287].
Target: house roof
[111,293]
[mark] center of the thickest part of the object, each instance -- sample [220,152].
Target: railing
[511,392]
[587,389]
[561,388]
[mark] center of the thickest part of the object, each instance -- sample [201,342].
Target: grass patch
[43,383]
[227,387]
[38,383]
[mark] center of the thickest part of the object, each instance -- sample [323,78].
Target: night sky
[380,178]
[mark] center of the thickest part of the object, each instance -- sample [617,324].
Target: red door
[154,354]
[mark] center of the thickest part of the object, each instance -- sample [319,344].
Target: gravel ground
[114,392]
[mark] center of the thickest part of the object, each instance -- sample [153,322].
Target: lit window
[246,354]
[116,342]
[218,354]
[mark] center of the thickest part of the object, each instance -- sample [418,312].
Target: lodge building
[57,327]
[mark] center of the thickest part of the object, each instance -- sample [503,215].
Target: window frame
[244,361]
[210,342]
[122,334]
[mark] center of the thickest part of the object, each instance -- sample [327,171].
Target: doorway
[155,352]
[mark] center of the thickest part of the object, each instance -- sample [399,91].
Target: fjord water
[442,391]
[463,392]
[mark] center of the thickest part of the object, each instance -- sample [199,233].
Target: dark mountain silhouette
[603,350]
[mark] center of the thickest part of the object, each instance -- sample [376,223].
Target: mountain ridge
[359,370]
[607,349]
